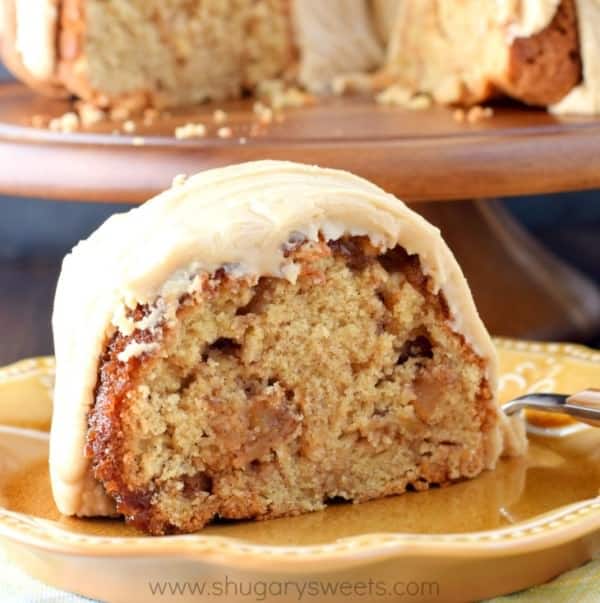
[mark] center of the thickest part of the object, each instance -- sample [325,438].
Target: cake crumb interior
[270,398]
[184,52]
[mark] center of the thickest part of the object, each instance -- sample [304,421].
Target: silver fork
[583,406]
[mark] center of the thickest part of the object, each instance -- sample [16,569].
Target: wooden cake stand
[424,157]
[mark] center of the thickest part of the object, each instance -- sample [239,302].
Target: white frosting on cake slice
[36,28]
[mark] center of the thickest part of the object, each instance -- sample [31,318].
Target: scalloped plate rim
[561,525]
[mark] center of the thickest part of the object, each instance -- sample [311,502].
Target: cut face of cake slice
[174,52]
[259,340]
[163,53]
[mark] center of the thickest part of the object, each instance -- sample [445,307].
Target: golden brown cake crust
[272,415]
[544,68]
[73,64]
[71,44]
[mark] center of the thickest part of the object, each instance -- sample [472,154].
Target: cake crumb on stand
[190,130]
[278,95]
[220,117]
[263,112]
[400,96]
[129,126]
[67,123]
[224,132]
[89,114]
[472,115]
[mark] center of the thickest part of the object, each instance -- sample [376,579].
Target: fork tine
[583,406]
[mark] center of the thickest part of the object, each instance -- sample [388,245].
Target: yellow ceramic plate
[524,523]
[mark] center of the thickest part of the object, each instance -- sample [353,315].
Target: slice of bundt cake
[258,340]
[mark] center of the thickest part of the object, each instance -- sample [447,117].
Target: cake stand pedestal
[424,157]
